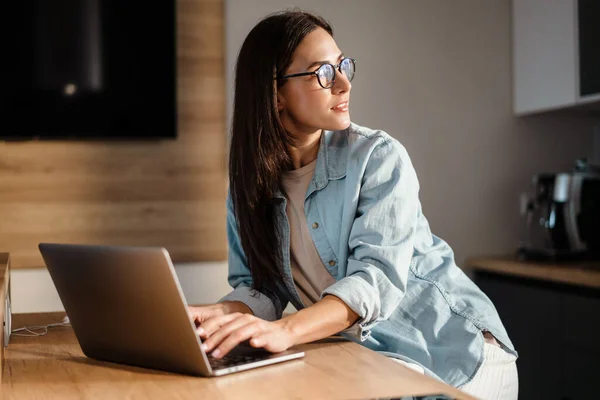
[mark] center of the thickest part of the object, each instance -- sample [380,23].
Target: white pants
[496,379]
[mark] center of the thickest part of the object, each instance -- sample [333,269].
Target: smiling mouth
[341,107]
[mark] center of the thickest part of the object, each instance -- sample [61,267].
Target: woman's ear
[277,93]
[280,101]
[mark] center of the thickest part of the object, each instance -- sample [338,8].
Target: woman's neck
[305,150]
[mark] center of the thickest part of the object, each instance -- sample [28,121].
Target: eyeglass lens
[326,73]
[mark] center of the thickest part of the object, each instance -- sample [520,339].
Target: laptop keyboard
[231,360]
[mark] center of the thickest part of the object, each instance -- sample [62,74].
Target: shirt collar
[332,157]
[331,160]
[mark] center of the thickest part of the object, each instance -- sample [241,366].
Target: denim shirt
[365,219]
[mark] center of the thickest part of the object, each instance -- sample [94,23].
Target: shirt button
[332,263]
[315,225]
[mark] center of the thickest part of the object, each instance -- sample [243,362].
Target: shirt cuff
[261,305]
[360,297]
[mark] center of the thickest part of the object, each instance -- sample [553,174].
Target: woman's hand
[222,333]
[222,330]
[198,315]
[201,314]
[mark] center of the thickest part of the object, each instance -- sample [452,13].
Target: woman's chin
[339,123]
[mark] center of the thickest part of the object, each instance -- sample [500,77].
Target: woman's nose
[342,84]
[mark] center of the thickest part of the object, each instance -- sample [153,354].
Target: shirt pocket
[319,228]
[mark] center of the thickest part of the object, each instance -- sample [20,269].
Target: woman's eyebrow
[314,64]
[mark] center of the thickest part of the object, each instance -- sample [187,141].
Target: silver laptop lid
[125,305]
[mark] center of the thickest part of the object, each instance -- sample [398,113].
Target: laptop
[126,306]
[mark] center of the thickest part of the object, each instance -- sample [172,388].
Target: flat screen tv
[88,69]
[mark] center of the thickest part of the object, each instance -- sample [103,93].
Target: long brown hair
[258,151]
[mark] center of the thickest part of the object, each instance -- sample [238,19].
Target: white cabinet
[556,54]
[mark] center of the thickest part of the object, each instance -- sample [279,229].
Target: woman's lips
[341,107]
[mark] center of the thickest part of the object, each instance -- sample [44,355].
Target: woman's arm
[328,316]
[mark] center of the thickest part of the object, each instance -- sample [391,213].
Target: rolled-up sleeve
[381,241]
[266,304]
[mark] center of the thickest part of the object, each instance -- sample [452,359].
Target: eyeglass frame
[337,67]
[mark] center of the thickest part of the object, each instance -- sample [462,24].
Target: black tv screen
[88,69]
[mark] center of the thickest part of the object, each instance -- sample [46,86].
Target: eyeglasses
[326,72]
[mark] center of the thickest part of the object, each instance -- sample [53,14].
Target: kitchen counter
[551,314]
[585,274]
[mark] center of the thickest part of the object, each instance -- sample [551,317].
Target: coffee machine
[561,217]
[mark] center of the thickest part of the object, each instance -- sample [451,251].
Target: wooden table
[53,367]
[4,293]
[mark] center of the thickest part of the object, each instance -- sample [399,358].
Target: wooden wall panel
[155,193]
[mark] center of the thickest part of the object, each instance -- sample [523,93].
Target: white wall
[32,290]
[437,76]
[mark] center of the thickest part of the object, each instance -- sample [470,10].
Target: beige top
[310,275]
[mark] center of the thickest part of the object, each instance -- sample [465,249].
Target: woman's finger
[196,316]
[225,330]
[272,341]
[210,326]
[236,337]
[259,340]
[200,314]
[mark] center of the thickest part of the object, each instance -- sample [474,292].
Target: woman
[325,214]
